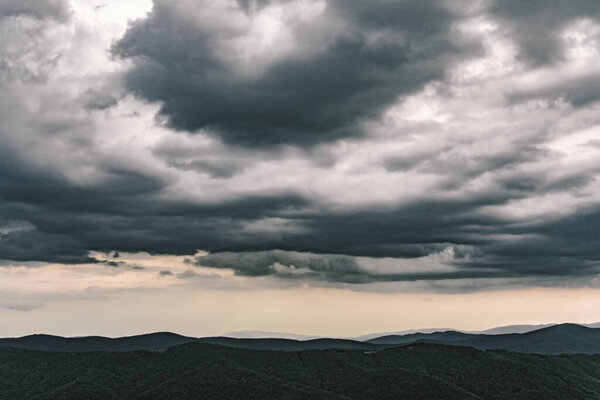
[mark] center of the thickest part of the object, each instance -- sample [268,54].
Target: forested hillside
[206,371]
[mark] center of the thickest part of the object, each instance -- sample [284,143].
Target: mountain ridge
[515,328]
[565,338]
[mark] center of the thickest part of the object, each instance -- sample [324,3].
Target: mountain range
[523,328]
[554,339]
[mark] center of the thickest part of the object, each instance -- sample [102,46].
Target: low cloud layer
[337,268]
[305,140]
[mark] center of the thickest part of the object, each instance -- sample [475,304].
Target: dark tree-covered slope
[205,371]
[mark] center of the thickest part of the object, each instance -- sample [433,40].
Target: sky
[322,167]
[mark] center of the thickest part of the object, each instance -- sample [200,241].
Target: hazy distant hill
[205,371]
[491,331]
[401,333]
[556,339]
[289,345]
[500,330]
[435,337]
[269,335]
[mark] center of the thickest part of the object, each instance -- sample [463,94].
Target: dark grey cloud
[212,159]
[252,6]
[451,158]
[114,264]
[95,100]
[39,9]
[536,25]
[563,247]
[309,266]
[484,247]
[387,49]
[65,190]
[266,262]
[499,260]
[187,274]
[579,91]
[214,168]
[541,183]
[53,220]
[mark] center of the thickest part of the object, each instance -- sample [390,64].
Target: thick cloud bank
[332,141]
[286,72]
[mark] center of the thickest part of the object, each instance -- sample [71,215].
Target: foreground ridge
[207,371]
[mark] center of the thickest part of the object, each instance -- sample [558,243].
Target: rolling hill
[151,341]
[289,344]
[556,339]
[434,337]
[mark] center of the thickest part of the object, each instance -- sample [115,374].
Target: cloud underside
[334,141]
[240,234]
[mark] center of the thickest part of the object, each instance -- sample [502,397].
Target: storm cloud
[313,76]
[537,25]
[330,141]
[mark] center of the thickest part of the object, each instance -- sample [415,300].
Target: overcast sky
[247,162]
